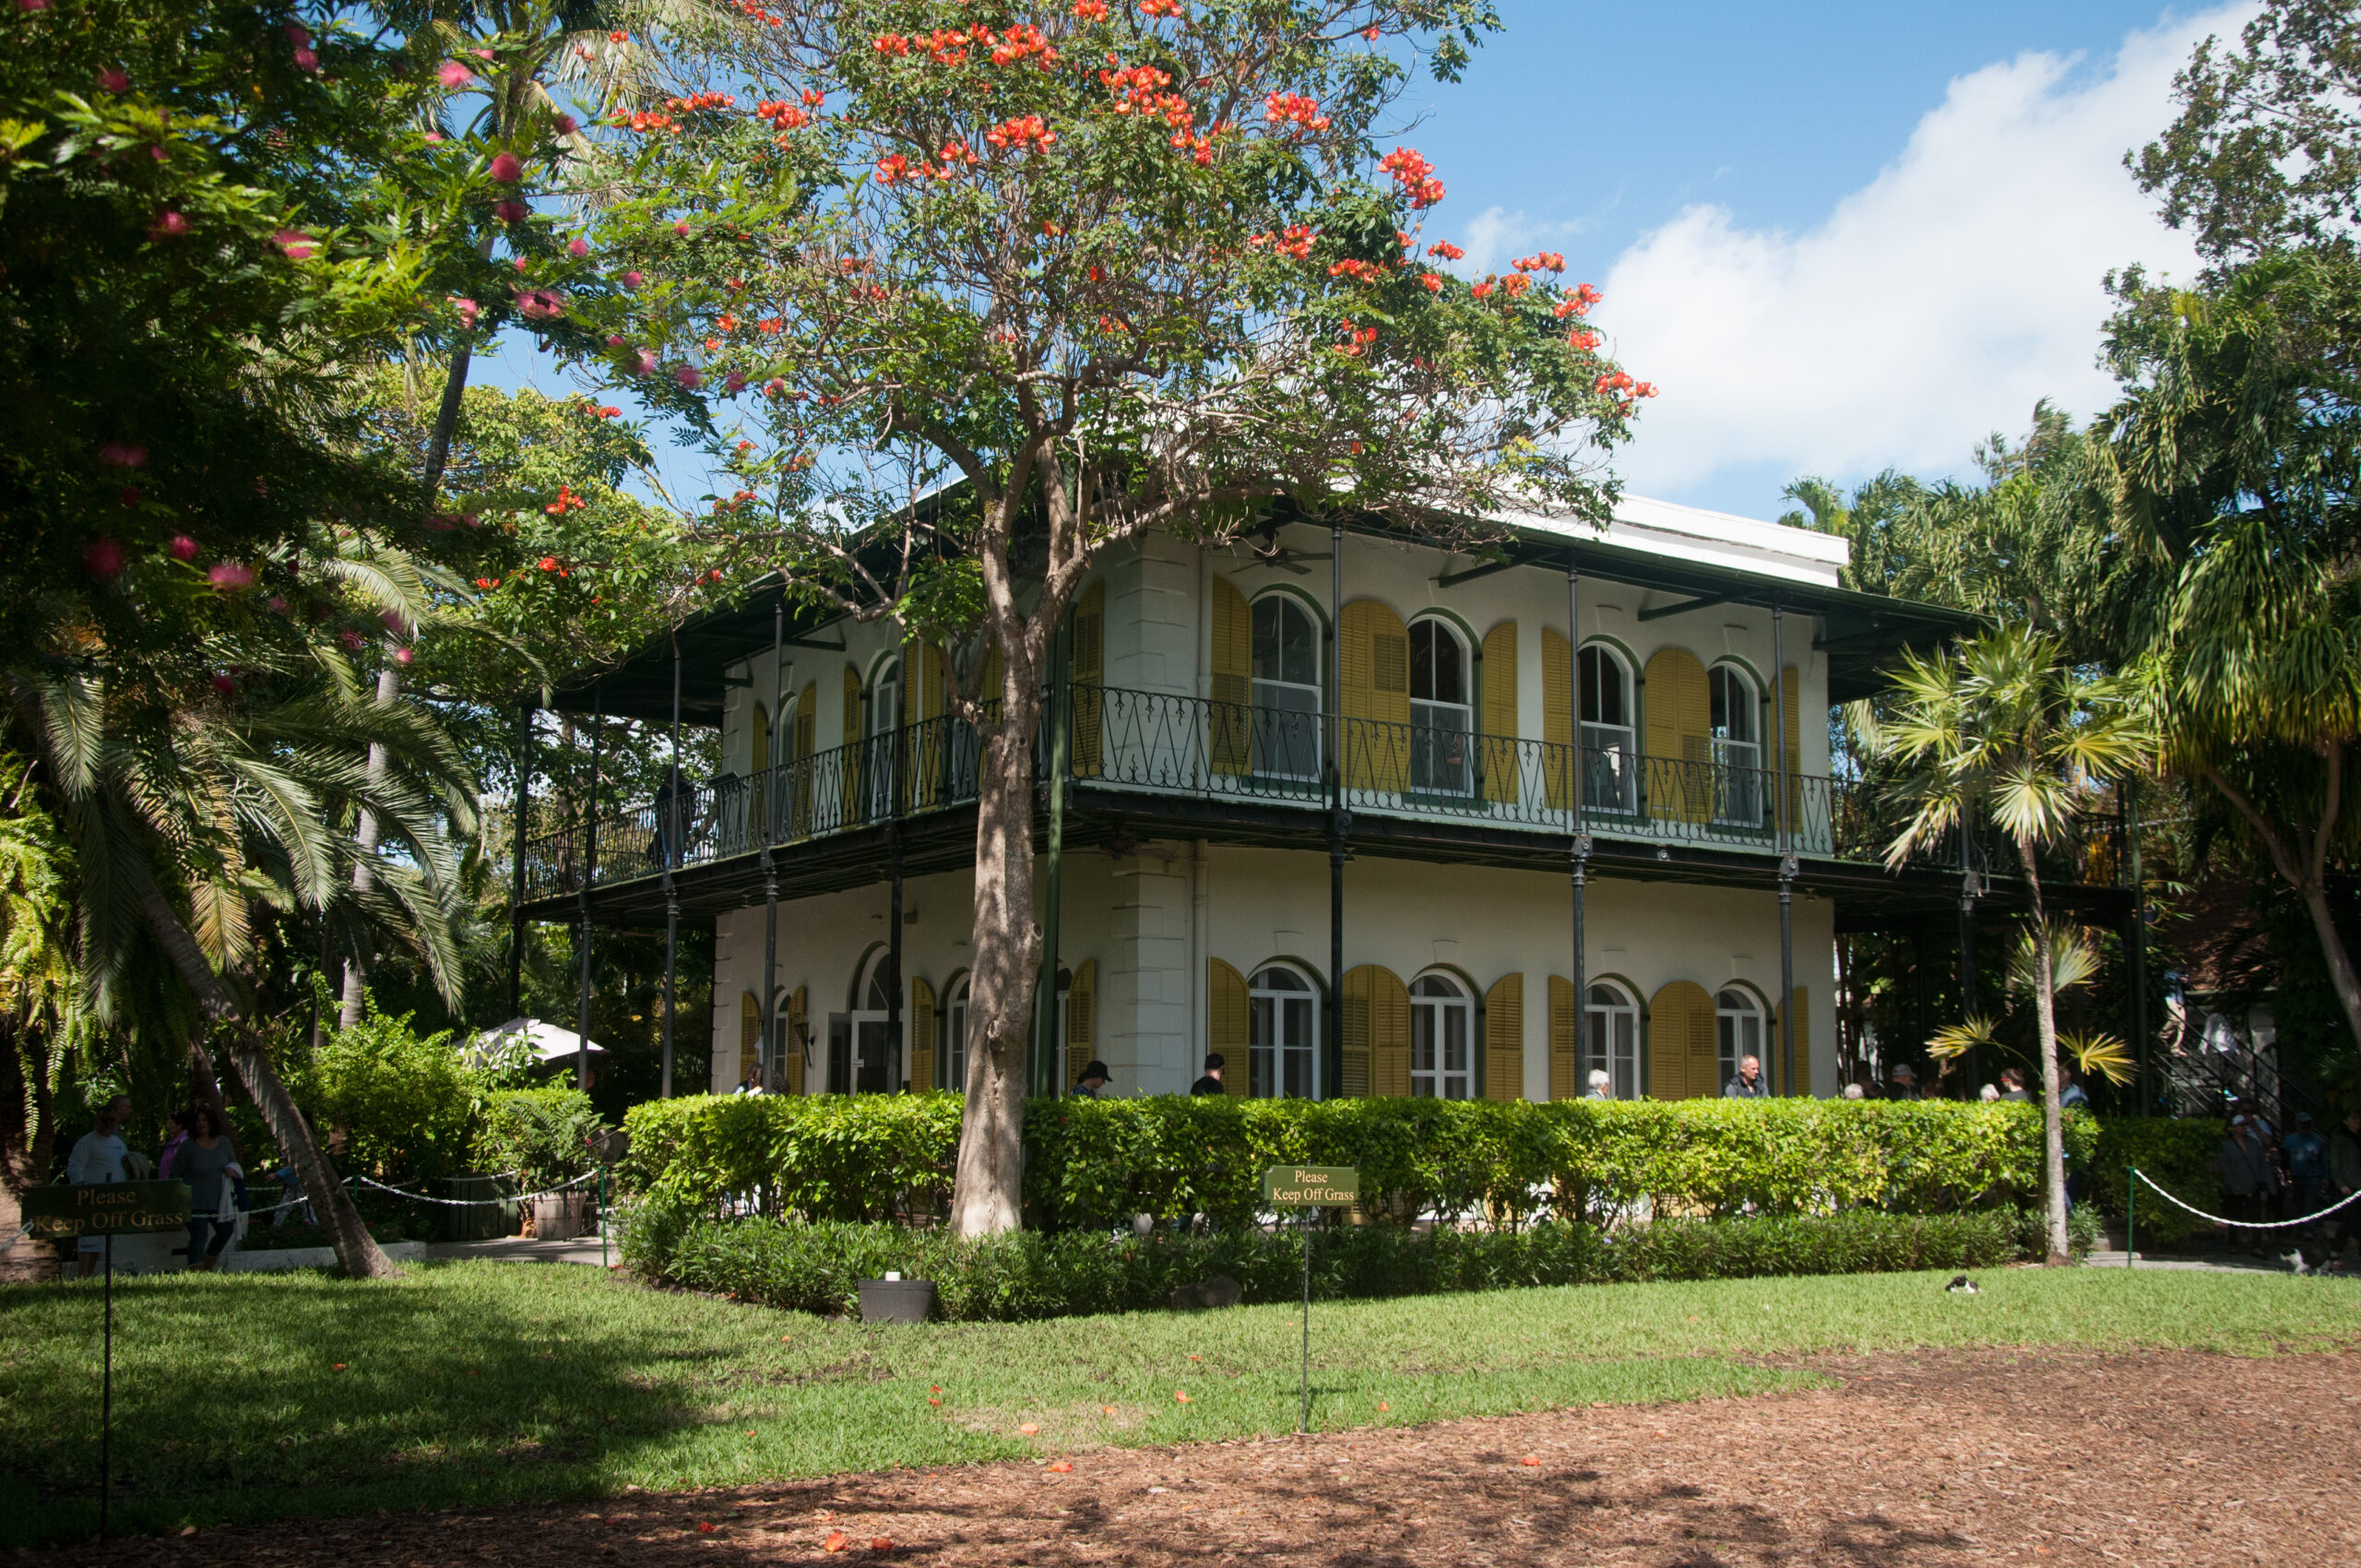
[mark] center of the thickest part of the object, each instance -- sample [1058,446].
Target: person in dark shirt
[1211,1083]
[1749,1083]
[1093,1081]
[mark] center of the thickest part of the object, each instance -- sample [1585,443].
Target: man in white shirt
[98,1157]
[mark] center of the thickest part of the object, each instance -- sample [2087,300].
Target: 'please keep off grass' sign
[106,1208]
[1311,1186]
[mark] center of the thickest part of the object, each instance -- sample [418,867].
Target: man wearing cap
[98,1157]
[1092,1080]
[1906,1082]
[1211,1082]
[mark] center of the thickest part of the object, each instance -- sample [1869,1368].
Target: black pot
[897,1300]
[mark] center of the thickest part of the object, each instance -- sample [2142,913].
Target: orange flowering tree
[1088,270]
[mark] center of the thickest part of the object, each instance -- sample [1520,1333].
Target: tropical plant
[1001,293]
[2004,731]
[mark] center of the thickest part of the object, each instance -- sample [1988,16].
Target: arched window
[1736,720]
[1610,751]
[884,714]
[954,1038]
[1283,1035]
[1442,711]
[1737,1019]
[1442,1029]
[1287,688]
[1611,1027]
[875,1066]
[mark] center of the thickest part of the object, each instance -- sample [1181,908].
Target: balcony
[1187,749]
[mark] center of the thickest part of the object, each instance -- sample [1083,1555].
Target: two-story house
[1325,807]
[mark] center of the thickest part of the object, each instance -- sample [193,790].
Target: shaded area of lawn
[478,1384]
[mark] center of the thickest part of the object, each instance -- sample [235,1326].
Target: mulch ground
[1919,1459]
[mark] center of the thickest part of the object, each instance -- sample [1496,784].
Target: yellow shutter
[1233,679]
[1374,685]
[759,746]
[1504,1038]
[1684,1051]
[852,747]
[1500,713]
[1793,726]
[1799,1006]
[800,741]
[1081,1020]
[1565,1067]
[1355,1000]
[750,1030]
[1225,1025]
[1679,712]
[922,1028]
[1557,717]
[1089,667]
[799,1032]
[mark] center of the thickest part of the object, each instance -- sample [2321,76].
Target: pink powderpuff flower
[393,621]
[564,125]
[507,168]
[614,340]
[539,305]
[104,558]
[231,576]
[522,263]
[131,493]
[434,138]
[632,279]
[295,243]
[182,548]
[350,639]
[736,382]
[452,73]
[403,655]
[306,59]
[167,225]
[123,455]
[680,229]
[224,686]
[648,361]
[297,34]
[279,604]
[32,8]
[577,246]
[512,212]
[774,387]
[113,80]
[469,310]
[687,377]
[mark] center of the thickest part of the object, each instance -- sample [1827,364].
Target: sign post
[108,1209]
[1308,1187]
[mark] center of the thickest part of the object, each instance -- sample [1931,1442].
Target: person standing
[2074,1094]
[2307,1154]
[1093,1082]
[1211,1082]
[1906,1082]
[1749,1083]
[2013,1086]
[177,1134]
[204,1163]
[1598,1085]
[96,1157]
[2246,1175]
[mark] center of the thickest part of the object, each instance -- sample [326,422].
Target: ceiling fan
[1272,552]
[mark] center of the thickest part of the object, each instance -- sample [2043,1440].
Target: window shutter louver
[807,718]
[851,753]
[922,1056]
[1684,1049]
[1794,727]
[1356,999]
[1081,1020]
[1225,1025]
[1799,1002]
[1565,1066]
[1233,680]
[1679,709]
[1089,667]
[1500,754]
[750,1031]
[1557,717]
[1373,683]
[1504,1038]
[799,1030]
[1389,1048]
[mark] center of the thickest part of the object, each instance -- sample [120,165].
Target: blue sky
[1841,236]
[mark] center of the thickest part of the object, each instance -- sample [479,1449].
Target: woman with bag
[204,1162]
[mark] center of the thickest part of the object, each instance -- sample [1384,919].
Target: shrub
[2179,1155]
[538,1135]
[815,1266]
[1093,1164]
[405,1103]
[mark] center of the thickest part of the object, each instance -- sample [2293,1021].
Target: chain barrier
[475,1202]
[2245,1224]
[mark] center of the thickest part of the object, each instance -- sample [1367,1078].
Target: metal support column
[2135,947]
[518,821]
[671,830]
[767,1053]
[1579,848]
[1967,944]
[582,894]
[896,805]
[1340,821]
[1787,864]
[1041,1076]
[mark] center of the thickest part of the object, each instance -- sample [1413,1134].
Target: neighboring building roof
[1700,557]
[549,1042]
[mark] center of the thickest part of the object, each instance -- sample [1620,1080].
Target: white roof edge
[1721,539]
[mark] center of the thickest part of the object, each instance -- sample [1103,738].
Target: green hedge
[2182,1156]
[814,1267]
[1093,1164]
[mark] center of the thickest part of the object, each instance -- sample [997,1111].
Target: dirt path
[1922,1459]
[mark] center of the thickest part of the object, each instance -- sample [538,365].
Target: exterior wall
[1150,921]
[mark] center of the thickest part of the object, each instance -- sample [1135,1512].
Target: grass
[252,1396]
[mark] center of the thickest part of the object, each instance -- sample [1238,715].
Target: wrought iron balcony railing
[1216,751]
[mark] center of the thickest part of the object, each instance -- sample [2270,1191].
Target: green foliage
[1095,1163]
[1022,1275]
[407,1104]
[538,1134]
[2178,1154]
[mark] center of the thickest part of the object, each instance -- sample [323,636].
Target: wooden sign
[106,1207]
[1302,1186]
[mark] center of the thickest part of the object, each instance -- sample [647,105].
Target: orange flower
[837,1540]
[704,1527]
[1446,250]
[879,1543]
[1531,1460]
[1059,1468]
[1028,1429]
[1180,1396]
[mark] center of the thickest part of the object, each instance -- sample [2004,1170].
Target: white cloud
[1498,234]
[1934,306]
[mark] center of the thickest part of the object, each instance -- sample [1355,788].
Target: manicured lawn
[480,1382]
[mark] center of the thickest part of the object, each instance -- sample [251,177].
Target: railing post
[582,897]
[897,803]
[1579,848]
[523,776]
[766,788]
[1787,864]
[1332,1026]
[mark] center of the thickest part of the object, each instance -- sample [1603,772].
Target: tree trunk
[2053,1119]
[2339,959]
[986,1188]
[356,1250]
[389,692]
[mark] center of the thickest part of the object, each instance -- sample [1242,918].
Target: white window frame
[1730,1029]
[1459,718]
[1612,752]
[1302,727]
[1267,1005]
[954,1036]
[1737,758]
[1431,1016]
[872,981]
[1611,1029]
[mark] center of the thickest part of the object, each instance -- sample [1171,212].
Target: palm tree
[187,809]
[2006,731]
